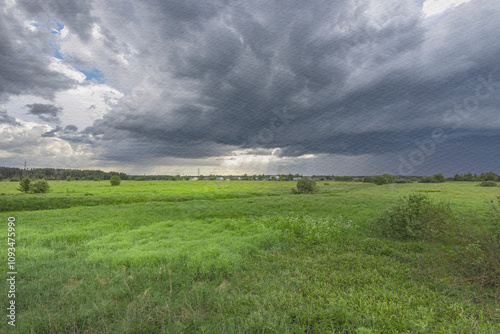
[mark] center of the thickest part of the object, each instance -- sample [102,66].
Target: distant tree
[425,179]
[39,187]
[24,185]
[369,179]
[390,178]
[468,177]
[438,178]
[490,176]
[306,186]
[115,180]
[380,180]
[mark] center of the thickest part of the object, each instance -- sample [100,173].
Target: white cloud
[69,71]
[436,7]
[80,106]
[84,104]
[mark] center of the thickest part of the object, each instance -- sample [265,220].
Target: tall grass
[234,263]
[469,246]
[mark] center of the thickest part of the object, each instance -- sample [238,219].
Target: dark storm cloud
[308,77]
[254,61]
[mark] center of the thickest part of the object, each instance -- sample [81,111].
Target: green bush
[39,187]
[380,180]
[24,185]
[115,180]
[408,219]
[470,246]
[306,186]
[488,184]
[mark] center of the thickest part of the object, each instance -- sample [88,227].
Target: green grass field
[232,257]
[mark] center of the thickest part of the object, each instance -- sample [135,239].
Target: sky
[347,87]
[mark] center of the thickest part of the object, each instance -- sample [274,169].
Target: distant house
[297,178]
[193,179]
[219,178]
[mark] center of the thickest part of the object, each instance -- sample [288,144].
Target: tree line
[16,174]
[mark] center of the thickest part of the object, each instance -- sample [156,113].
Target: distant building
[193,179]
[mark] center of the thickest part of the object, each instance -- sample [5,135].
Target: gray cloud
[300,58]
[43,109]
[71,128]
[346,78]
[24,65]
[75,14]
[45,112]
[6,118]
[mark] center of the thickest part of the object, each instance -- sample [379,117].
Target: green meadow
[233,257]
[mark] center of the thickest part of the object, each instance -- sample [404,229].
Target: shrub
[306,186]
[141,178]
[380,180]
[39,187]
[470,247]
[97,179]
[115,180]
[24,185]
[408,219]
[69,178]
[488,184]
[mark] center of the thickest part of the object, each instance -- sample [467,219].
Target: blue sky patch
[56,48]
[92,74]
